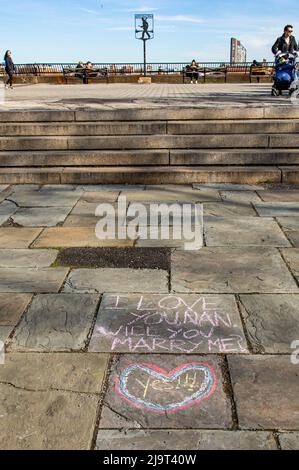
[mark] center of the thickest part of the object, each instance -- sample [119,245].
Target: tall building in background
[238,52]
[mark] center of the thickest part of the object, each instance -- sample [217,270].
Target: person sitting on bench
[192,71]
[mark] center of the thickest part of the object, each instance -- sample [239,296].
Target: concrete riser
[233,141]
[153,158]
[149,128]
[145,175]
[153,146]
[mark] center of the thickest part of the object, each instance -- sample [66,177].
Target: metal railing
[157,68]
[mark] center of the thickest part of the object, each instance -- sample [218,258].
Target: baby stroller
[286,75]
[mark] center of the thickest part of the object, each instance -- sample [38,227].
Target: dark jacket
[281,45]
[9,65]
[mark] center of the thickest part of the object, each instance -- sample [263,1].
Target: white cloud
[120,28]
[91,12]
[144,9]
[180,18]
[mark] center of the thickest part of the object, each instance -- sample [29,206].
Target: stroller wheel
[280,92]
[274,92]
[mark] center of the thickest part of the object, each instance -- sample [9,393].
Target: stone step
[83,129]
[234,157]
[119,128]
[85,157]
[159,113]
[142,175]
[116,158]
[138,142]
[229,126]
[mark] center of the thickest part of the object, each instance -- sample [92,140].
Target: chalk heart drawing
[201,391]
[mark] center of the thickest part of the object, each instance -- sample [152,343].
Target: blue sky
[103,30]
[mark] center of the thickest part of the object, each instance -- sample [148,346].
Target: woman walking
[10,69]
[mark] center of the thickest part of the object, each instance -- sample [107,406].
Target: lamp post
[144,31]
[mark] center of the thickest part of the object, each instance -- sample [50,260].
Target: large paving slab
[265,391]
[277,209]
[240,196]
[229,209]
[112,187]
[228,187]
[49,401]
[18,237]
[116,280]
[83,220]
[86,208]
[60,188]
[287,195]
[170,193]
[250,231]
[67,237]
[139,439]
[291,255]
[24,188]
[7,209]
[271,321]
[3,187]
[168,324]
[45,199]
[99,197]
[231,270]
[166,392]
[290,226]
[56,323]
[40,280]
[5,332]
[289,440]
[12,306]
[40,216]
[27,258]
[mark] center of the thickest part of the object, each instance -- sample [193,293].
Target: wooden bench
[259,71]
[84,74]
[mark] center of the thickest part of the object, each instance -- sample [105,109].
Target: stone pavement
[133,96]
[194,354]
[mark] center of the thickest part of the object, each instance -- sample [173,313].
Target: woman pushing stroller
[286,42]
[286,74]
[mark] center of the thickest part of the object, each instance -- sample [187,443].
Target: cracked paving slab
[271,321]
[116,280]
[231,270]
[184,440]
[265,391]
[277,209]
[140,395]
[32,280]
[290,226]
[289,440]
[11,237]
[7,209]
[56,323]
[49,401]
[40,217]
[27,258]
[291,255]
[45,199]
[12,306]
[250,231]
[75,237]
[5,332]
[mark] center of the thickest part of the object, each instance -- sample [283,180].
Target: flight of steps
[151,146]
